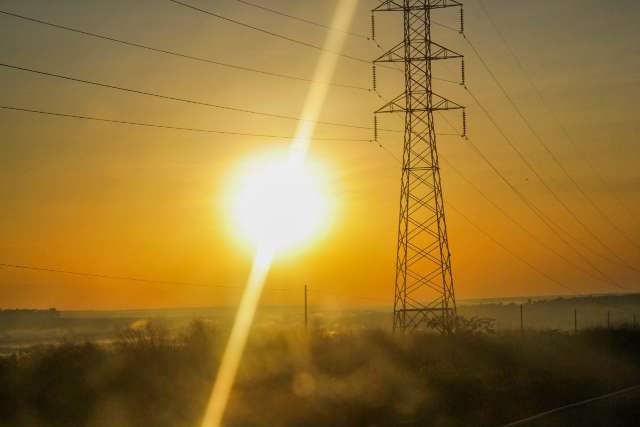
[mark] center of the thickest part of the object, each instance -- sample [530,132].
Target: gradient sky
[150,203]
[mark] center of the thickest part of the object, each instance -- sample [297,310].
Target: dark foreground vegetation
[149,378]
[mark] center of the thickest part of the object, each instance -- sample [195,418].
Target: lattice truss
[424,290]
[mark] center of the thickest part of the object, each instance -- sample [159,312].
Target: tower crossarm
[439,103]
[399,5]
[437,52]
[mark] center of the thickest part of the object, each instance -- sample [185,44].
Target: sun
[279,204]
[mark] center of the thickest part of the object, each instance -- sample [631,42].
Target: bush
[476,377]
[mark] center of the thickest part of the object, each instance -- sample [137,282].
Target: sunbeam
[267,248]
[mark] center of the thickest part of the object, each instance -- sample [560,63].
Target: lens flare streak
[266,250]
[238,338]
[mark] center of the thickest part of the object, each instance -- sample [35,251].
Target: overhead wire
[604,278]
[182,3]
[531,206]
[517,223]
[169,282]
[496,206]
[179,54]
[329,28]
[162,126]
[537,212]
[303,20]
[170,127]
[268,32]
[494,240]
[114,277]
[55,270]
[523,158]
[564,131]
[185,100]
[321,25]
[278,35]
[142,92]
[548,222]
[552,226]
[509,251]
[531,167]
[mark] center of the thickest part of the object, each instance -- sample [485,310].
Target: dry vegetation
[148,378]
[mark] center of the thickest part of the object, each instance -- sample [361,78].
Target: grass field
[150,377]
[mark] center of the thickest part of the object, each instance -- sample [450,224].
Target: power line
[530,166]
[195,58]
[538,213]
[104,276]
[511,219]
[500,209]
[563,129]
[491,238]
[115,277]
[181,55]
[150,94]
[328,28]
[185,100]
[324,26]
[270,33]
[306,21]
[277,35]
[606,279]
[202,285]
[554,227]
[509,251]
[161,126]
[546,221]
[445,26]
[191,101]
[159,282]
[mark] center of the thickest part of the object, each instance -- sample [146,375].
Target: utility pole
[424,291]
[306,309]
[521,319]
[575,320]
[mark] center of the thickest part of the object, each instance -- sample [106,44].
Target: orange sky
[148,203]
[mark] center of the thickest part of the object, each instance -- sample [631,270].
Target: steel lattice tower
[424,291]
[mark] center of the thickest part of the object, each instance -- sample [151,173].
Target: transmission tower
[424,292]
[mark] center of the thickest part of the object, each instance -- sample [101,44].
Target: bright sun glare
[279,203]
